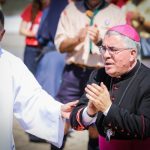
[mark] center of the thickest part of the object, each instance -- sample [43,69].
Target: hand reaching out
[67,108]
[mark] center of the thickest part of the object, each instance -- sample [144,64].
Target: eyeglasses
[112,50]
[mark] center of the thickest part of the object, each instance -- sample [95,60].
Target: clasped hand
[99,98]
[92,31]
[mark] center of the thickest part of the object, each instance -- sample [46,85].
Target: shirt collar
[103,5]
[131,72]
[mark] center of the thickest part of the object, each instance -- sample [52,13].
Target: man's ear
[2,34]
[133,54]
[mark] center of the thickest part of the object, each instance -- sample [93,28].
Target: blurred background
[12,40]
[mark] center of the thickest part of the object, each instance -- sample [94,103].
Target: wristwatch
[92,116]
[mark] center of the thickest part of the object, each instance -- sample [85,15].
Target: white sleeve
[37,112]
[106,111]
[87,120]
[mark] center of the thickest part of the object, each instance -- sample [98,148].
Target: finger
[93,89]
[66,115]
[69,106]
[93,33]
[93,28]
[93,102]
[93,36]
[87,25]
[82,33]
[95,25]
[104,87]
[74,103]
[90,97]
[96,86]
[90,93]
[99,88]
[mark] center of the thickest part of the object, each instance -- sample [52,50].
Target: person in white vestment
[21,95]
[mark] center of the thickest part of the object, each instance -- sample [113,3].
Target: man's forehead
[111,38]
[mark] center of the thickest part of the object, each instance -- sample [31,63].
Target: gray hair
[129,42]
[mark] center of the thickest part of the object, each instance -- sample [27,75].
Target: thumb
[74,103]
[103,85]
[95,25]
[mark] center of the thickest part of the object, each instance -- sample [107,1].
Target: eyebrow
[109,46]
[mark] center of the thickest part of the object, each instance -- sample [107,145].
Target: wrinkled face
[93,3]
[120,60]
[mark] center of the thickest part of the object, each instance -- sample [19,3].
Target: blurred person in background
[81,25]
[31,17]
[138,15]
[119,3]
[50,62]
[2,2]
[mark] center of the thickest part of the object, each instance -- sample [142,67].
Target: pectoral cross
[109,133]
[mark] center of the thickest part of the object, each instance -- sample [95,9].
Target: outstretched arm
[67,108]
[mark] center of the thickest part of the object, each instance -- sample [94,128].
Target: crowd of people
[86,50]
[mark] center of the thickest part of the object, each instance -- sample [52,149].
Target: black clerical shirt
[129,115]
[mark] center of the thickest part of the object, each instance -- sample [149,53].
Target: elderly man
[117,97]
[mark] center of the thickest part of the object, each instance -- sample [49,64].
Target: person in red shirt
[31,17]
[119,3]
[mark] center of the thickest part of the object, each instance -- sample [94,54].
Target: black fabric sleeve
[81,105]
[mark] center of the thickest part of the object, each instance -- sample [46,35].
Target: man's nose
[106,54]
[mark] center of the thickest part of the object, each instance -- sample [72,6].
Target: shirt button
[135,135]
[115,87]
[109,125]
[112,98]
[128,133]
